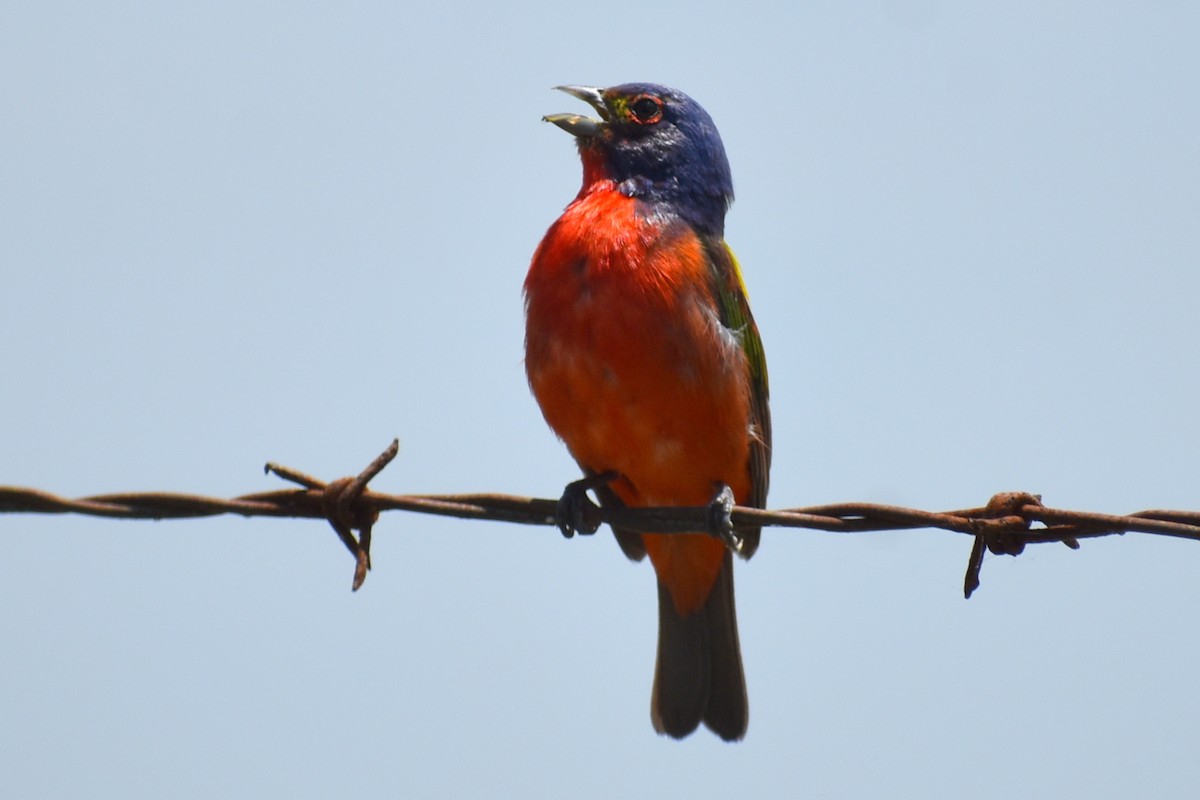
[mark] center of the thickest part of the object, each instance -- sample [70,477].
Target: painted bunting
[642,353]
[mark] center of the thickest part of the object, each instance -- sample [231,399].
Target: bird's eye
[646,109]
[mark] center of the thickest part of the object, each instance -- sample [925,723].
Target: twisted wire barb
[1005,525]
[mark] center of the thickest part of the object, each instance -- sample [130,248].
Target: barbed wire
[1004,526]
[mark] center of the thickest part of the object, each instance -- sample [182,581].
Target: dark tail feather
[728,711]
[698,676]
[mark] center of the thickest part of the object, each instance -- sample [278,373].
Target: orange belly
[632,368]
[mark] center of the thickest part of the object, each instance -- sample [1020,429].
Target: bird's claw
[576,512]
[720,518]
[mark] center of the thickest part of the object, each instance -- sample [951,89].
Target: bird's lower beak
[577,124]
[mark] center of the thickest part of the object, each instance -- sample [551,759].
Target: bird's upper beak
[577,124]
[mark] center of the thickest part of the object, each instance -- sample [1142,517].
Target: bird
[644,358]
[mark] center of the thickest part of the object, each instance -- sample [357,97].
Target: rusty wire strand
[1003,526]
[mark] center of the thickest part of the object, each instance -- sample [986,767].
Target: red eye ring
[645,109]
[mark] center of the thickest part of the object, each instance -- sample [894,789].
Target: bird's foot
[720,518]
[576,511]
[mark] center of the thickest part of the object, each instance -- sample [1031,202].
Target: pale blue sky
[242,232]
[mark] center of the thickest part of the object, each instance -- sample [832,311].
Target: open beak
[577,124]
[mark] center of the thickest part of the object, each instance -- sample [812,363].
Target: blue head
[660,146]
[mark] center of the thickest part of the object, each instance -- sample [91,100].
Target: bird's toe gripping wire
[576,512]
[720,518]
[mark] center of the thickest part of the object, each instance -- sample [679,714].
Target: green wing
[734,306]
